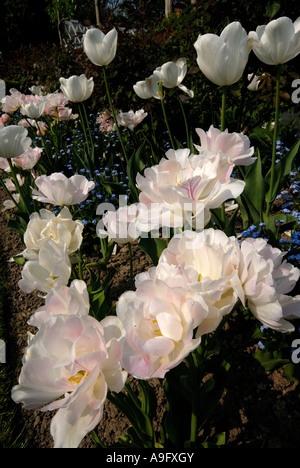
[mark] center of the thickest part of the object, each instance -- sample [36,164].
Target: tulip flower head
[277,42]
[131,119]
[13,141]
[77,88]
[51,268]
[33,106]
[186,186]
[28,159]
[100,48]
[172,75]
[150,87]
[159,321]
[235,147]
[58,189]
[61,229]
[267,280]
[69,366]
[11,103]
[222,59]
[63,300]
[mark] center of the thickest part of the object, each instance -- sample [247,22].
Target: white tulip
[13,141]
[277,42]
[100,48]
[45,225]
[58,189]
[69,366]
[33,106]
[52,268]
[173,74]
[77,88]
[223,58]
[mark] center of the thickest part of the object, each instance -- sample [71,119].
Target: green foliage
[59,9]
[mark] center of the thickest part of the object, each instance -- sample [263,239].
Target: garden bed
[259,409]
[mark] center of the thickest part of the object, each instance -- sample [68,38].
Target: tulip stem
[161,92]
[83,128]
[186,124]
[9,193]
[277,102]
[18,186]
[194,422]
[224,93]
[113,114]
[87,124]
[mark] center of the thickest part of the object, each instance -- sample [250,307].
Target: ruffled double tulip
[12,102]
[222,59]
[267,280]
[159,322]
[63,300]
[69,366]
[184,187]
[121,225]
[234,147]
[52,268]
[61,229]
[13,141]
[131,119]
[100,48]
[277,42]
[58,189]
[206,264]
[77,88]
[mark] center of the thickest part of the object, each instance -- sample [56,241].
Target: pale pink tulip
[234,147]
[10,185]
[51,268]
[121,226]
[11,103]
[58,189]
[207,263]
[267,280]
[69,365]
[159,322]
[28,159]
[45,225]
[131,119]
[4,164]
[63,300]
[186,187]
[33,106]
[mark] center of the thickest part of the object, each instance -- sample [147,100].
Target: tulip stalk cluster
[180,208]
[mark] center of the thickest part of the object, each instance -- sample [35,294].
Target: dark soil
[258,409]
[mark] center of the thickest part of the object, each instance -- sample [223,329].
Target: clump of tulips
[182,212]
